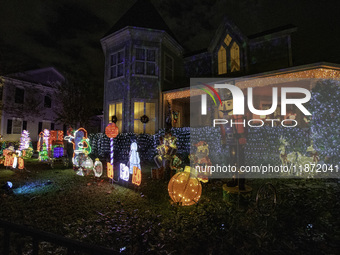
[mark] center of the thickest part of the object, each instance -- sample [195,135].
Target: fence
[72,246]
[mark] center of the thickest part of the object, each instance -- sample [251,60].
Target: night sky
[66,33]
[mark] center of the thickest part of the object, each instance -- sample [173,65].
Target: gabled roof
[44,76]
[283,30]
[227,26]
[141,14]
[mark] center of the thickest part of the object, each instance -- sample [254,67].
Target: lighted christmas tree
[24,140]
[43,155]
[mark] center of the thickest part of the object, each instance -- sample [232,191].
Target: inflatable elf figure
[234,136]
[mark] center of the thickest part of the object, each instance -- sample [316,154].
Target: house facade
[28,101]
[147,72]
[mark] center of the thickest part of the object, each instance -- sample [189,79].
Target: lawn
[144,221]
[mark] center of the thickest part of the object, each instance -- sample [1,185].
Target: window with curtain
[116,109]
[141,109]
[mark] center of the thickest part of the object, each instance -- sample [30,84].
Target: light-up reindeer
[296,158]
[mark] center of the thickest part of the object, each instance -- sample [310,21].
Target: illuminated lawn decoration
[81,150]
[15,160]
[25,144]
[5,152]
[184,189]
[136,176]
[58,151]
[134,159]
[297,159]
[57,144]
[44,145]
[98,168]
[43,155]
[24,140]
[52,142]
[111,132]
[46,139]
[201,159]
[8,159]
[21,163]
[110,172]
[166,157]
[40,141]
[124,172]
[3,147]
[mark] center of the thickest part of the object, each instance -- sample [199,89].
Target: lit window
[222,61]
[169,68]
[234,65]
[145,61]
[235,57]
[227,40]
[47,101]
[116,112]
[19,95]
[117,64]
[149,110]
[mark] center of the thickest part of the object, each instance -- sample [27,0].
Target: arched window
[222,60]
[235,57]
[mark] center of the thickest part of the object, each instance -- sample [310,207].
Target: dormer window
[222,61]
[235,57]
[228,56]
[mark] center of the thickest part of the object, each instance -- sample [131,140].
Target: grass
[144,221]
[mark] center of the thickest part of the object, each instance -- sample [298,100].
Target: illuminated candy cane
[111,151]
[111,132]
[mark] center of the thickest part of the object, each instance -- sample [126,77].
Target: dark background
[66,33]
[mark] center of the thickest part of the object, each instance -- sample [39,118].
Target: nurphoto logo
[239,104]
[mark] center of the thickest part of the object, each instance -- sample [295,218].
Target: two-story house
[147,71]
[28,102]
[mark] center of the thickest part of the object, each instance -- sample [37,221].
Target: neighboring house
[147,70]
[28,102]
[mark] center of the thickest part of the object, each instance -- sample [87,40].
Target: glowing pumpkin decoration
[136,176]
[109,170]
[124,172]
[111,130]
[184,189]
